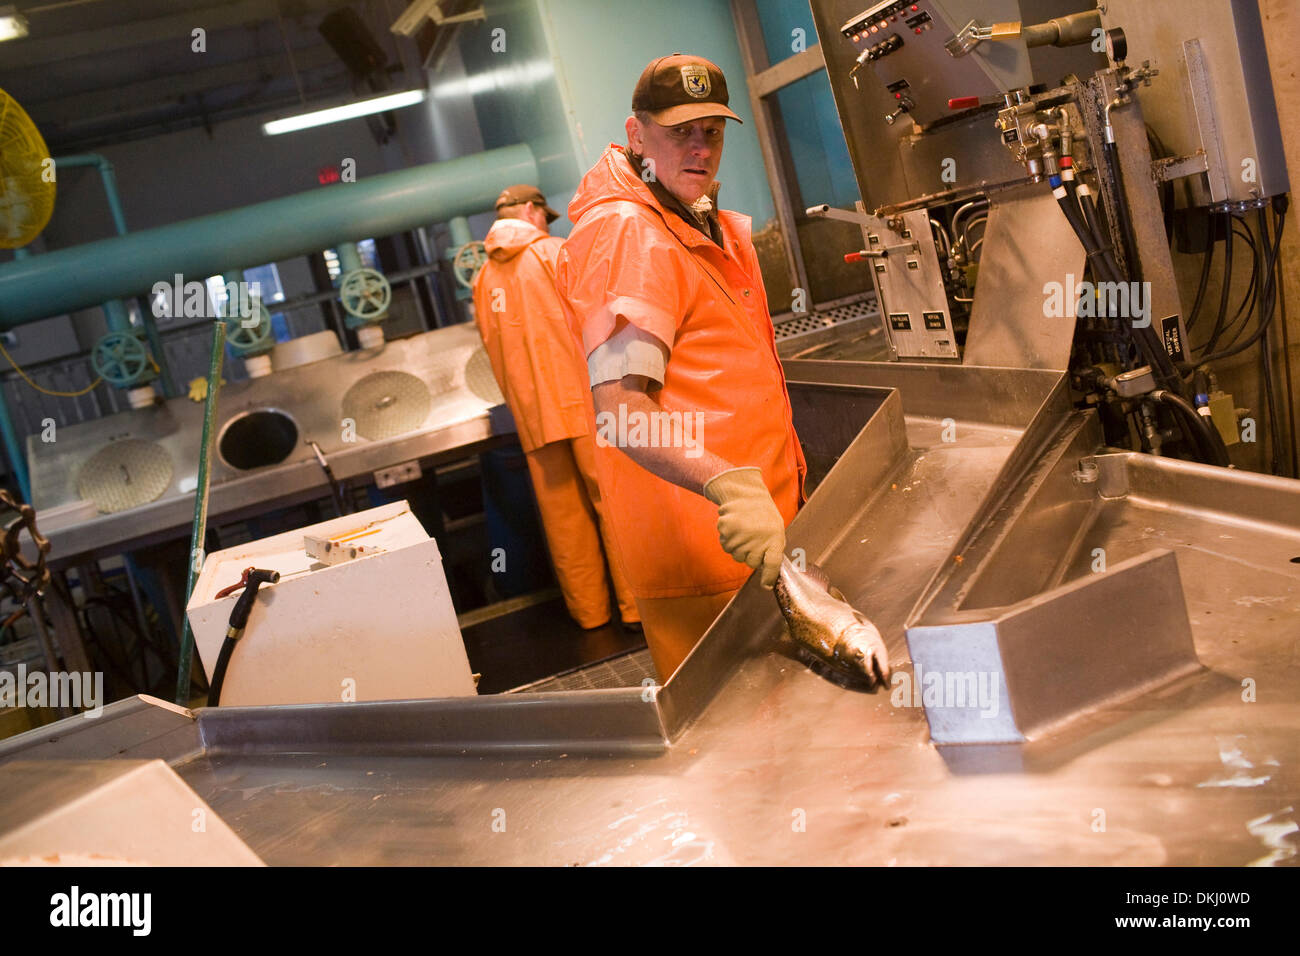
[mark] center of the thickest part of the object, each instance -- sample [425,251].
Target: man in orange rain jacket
[536,363]
[695,439]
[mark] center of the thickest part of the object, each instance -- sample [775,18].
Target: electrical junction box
[378,627]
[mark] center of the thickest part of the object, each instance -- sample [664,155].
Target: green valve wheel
[468,260]
[120,359]
[248,337]
[365,294]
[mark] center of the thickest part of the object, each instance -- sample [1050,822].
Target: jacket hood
[509,237]
[612,179]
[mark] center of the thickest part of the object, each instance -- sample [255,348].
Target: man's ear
[633,129]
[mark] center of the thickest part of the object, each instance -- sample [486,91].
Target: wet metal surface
[765,761]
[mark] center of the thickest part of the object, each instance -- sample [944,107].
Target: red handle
[963,102]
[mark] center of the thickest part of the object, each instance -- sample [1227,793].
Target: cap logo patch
[695,80]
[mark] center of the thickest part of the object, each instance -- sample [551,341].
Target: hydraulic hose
[1153,350]
[1201,430]
[1125,223]
[1200,288]
[1223,296]
[1092,220]
[1267,299]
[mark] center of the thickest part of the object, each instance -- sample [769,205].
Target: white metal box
[378,627]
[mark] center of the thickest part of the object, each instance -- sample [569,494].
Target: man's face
[686,156]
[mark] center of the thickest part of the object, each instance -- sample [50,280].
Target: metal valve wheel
[244,336]
[120,358]
[468,260]
[365,293]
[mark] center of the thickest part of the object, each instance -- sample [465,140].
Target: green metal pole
[200,506]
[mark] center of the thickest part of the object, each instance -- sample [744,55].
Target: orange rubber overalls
[536,363]
[628,258]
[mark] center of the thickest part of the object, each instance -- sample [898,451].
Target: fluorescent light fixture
[409,23]
[348,111]
[12,24]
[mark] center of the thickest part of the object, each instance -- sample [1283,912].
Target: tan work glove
[750,525]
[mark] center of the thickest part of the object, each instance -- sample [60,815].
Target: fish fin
[815,573]
[824,582]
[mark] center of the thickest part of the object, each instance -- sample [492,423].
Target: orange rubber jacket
[534,356]
[628,258]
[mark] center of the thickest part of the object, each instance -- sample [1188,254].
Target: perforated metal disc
[125,474]
[480,380]
[385,404]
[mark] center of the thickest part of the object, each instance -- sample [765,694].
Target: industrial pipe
[1069,30]
[381,205]
[106,176]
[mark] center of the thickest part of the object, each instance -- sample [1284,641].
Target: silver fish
[822,621]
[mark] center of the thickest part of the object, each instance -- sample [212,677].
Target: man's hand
[750,525]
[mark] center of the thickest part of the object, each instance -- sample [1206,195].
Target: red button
[918,29]
[914,7]
[898,96]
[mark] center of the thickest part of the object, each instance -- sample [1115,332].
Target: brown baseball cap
[679,88]
[514,195]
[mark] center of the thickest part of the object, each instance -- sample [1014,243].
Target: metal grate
[384,404]
[796,325]
[626,670]
[125,474]
[480,380]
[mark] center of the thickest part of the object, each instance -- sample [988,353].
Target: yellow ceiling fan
[26,177]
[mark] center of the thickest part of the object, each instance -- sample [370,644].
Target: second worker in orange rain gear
[536,362]
[696,451]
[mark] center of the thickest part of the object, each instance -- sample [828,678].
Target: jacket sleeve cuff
[644,315]
[629,351]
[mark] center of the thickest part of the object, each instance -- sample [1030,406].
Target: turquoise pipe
[460,234]
[109,179]
[253,235]
[349,258]
[14,450]
[116,316]
[114,311]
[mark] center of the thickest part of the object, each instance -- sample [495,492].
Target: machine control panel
[909,286]
[905,45]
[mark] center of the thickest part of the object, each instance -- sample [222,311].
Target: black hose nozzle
[244,606]
[254,578]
